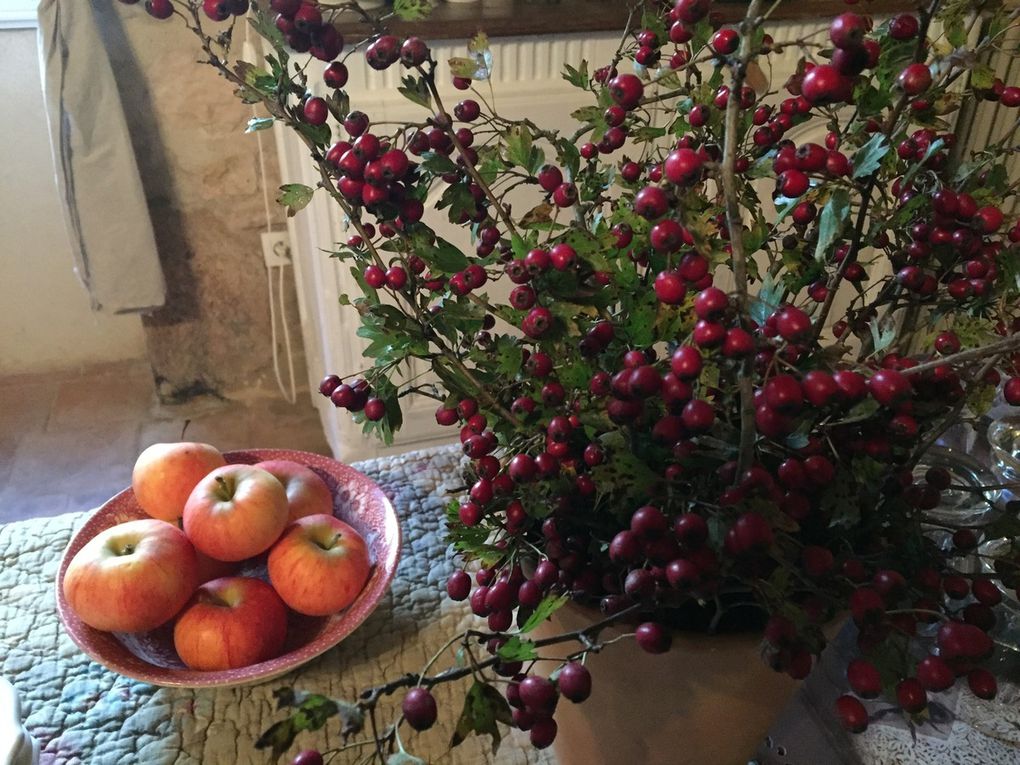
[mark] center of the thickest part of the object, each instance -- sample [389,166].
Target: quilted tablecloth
[82,713]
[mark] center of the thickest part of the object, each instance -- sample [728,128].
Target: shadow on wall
[201,179]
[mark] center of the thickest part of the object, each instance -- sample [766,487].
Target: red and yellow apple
[165,475]
[231,622]
[319,565]
[235,512]
[307,493]
[132,577]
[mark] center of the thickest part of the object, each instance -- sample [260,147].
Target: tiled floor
[68,440]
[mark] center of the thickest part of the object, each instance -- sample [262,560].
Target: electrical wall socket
[276,248]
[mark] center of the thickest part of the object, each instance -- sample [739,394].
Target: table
[82,713]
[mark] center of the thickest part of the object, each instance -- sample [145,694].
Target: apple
[132,577]
[231,622]
[165,474]
[307,493]
[235,512]
[319,565]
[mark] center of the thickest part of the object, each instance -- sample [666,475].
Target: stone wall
[201,176]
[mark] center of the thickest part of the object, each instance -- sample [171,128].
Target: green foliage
[294,196]
[415,90]
[578,77]
[311,712]
[833,219]
[412,10]
[550,604]
[258,123]
[869,157]
[484,706]
[517,649]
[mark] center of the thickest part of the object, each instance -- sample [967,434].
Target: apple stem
[225,490]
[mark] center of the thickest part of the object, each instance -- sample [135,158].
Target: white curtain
[97,176]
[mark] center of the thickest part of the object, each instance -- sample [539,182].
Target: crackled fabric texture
[82,713]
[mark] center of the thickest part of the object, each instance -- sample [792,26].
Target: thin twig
[735,223]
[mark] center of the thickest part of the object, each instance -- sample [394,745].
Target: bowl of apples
[219,569]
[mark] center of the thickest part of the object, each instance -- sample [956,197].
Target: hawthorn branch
[993,349]
[952,416]
[862,214]
[732,140]
[586,636]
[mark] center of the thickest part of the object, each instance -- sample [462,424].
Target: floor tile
[114,396]
[85,459]
[25,406]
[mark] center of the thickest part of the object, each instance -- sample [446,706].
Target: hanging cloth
[100,188]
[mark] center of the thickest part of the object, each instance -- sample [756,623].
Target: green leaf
[868,158]
[484,706]
[294,196]
[982,77]
[641,323]
[882,338]
[320,134]
[767,300]
[313,711]
[509,356]
[264,24]
[459,199]
[463,67]
[437,164]
[549,605]
[518,649]
[834,217]
[518,146]
[416,91]
[411,10]
[447,258]
[259,123]
[579,77]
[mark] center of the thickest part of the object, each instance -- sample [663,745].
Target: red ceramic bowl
[151,658]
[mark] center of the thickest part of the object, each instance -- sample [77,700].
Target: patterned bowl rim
[336,628]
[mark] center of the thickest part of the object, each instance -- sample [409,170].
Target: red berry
[626,90]
[538,695]
[934,674]
[864,678]
[848,30]
[651,202]
[653,637]
[458,586]
[889,387]
[793,324]
[982,683]
[574,682]
[822,84]
[852,714]
[335,75]
[1011,391]
[419,708]
[670,288]
[315,111]
[914,79]
[307,757]
[542,732]
[910,695]
[725,41]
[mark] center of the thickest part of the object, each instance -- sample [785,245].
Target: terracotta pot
[709,701]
